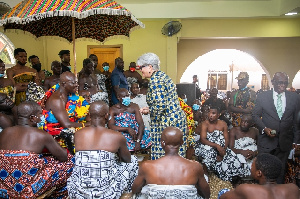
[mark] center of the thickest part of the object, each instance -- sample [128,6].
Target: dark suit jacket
[264,115]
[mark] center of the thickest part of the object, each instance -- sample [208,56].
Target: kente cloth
[8,90]
[164,111]
[76,108]
[126,119]
[100,174]
[141,101]
[101,82]
[23,78]
[100,96]
[190,121]
[227,168]
[34,92]
[24,174]
[242,99]
[245,143]
[154,191]
[292,174]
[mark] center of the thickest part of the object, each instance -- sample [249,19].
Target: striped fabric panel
[31,7]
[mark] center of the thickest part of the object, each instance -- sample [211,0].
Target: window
[6,50]
[218,80]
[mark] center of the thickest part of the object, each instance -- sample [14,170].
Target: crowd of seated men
[78,135]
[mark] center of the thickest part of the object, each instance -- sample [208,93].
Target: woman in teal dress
[164,107]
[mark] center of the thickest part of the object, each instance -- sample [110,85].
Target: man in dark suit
[275,114]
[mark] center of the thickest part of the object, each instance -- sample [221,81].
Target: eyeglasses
[143,66]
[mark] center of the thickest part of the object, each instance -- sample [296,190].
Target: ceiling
[182,9]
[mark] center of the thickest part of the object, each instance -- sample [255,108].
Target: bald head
[172,136]
[28,108]
[67,76]
[122,92]
[98,109]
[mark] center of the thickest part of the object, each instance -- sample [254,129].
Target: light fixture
[291,13]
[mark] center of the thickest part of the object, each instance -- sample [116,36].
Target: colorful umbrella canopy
[71,19]
[96,19]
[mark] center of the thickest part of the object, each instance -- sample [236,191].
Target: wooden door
[106,54]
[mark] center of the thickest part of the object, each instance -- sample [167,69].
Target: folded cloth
[153,191]
[24,174]
[99,174]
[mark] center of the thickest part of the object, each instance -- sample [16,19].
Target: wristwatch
[138,140]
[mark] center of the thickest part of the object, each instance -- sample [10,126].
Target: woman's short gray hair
[149,59]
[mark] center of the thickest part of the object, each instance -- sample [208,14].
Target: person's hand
[296,147]
[137,146]
[268,132]
[221,150]
[250,154]
[219,158]
[132,133]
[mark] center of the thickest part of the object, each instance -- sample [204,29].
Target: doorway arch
[224,65]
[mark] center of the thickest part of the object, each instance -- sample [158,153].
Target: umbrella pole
[74,50]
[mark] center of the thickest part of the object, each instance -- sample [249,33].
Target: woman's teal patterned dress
[165,111]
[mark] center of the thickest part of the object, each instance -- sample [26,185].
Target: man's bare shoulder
[222,123]
[234,130]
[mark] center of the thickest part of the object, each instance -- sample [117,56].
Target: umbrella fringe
[70,13]
[18,31]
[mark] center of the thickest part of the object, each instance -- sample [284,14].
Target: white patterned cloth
[141,101]
[154,191]
[245,143]
[101,82]
[99,174]
[100,96]
[229,167]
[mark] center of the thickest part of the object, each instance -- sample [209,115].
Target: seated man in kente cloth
[88,81]
[104,167]
[171,176]
[126,118]
[24,172]
[64,109]
[243,142]
[265,168]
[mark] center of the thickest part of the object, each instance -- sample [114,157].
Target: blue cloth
[117,79]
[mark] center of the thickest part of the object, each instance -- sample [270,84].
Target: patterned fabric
[130,81]
[141,101]
[165,111]
[154,191]
[76,107]
[99,174]
[34,92]
[8,90]
[28,175]
[53,18]
[100,96]
[279,106]
[245,143]
[23,78]
[222,191]
[190,121]
[101,82]
[241,99]
[227,168]
[292,174]
[128,120]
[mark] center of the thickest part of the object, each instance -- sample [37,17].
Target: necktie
[279,106]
